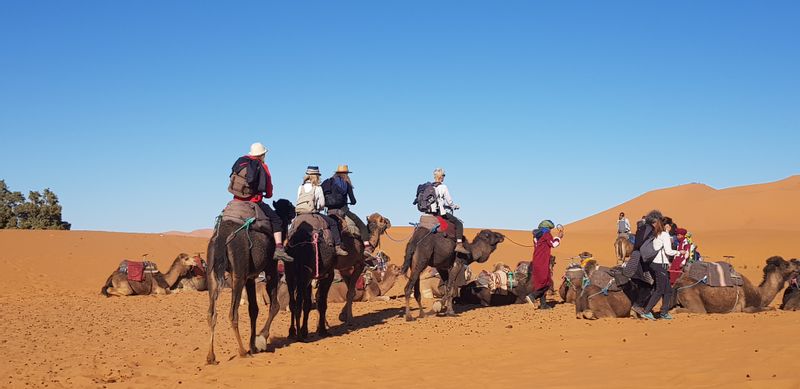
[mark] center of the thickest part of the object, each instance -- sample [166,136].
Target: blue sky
[133,112]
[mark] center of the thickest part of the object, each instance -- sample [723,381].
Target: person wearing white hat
[310,199]
[339,190]
[445,202]
[252,181]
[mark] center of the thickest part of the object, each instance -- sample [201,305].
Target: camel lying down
[118,284]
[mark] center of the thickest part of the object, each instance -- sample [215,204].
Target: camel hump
[436,224]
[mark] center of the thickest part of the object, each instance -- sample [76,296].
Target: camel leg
[252,310]
[323,288]
[291,285]
[271,292]
[346,315]
[305,303]
[237,286]
[691,300]
[413,286]
[213,294]
[458,266]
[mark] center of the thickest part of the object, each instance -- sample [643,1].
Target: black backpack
[426,197]
[334,198]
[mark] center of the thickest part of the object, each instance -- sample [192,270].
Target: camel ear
[776,261]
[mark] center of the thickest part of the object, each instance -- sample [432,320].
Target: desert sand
[58,331]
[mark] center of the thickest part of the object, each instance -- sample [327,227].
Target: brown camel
[438,251]
[195,278]
[697,297]
[310,264]
[623,249]
[244,253]
[375,290]
[118,284]
[595,303]
[791,297]
[572,283]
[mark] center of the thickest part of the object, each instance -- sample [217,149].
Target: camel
[471,293]
[438,251]
[623,249]
[244,253]
[283,294]
[310,263]
[572,284]
[593,303]
[375,290]
[791,297]
[697,297]
[195,279]
[118,284]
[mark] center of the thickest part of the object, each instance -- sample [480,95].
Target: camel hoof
[437,306]
[211,360]
[410,318]
[451,314]
[342,317]
[261,343]
[323,333]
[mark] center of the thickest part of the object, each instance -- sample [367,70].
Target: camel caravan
[328,254]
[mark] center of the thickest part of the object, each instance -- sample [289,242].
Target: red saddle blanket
[431,221]
[199,269]
[135,270]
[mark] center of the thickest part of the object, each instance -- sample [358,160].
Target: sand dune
[58,331]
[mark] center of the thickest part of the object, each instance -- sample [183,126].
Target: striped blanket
[717,274]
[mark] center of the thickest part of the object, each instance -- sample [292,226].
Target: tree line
[39,211]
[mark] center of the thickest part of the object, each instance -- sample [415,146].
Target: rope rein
[518,244]
[397,240]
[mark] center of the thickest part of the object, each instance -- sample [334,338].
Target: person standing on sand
[541,273]
[252,181]
[659,268]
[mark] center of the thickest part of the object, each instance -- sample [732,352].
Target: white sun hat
[257,149]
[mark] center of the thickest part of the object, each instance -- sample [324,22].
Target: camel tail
[104,289]
[220,261]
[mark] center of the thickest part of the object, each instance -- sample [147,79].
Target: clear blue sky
[133,112]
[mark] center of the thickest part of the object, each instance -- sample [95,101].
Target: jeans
[274,219]
[663,289]
[457,223]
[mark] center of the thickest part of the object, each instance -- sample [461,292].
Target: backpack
[647,251]
[426,198]
[239,186]
[334,198]
[305,202]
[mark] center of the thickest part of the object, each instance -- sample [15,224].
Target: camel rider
[542,274]
[445,202]
[623,226]
[252,181]
[310,199]
[341,189]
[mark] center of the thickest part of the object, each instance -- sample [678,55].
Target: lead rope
[518,244]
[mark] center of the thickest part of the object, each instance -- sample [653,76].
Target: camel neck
[171,276]
[769,288]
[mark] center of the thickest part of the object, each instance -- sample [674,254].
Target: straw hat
[343,169]
[257,149]
[312,171]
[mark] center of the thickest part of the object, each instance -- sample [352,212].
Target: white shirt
[663,245]
[319,196]
[443,199]
[623,225]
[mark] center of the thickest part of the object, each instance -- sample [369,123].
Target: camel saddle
[361,283]
[437,224]
[716,274]
[496,282]
[610,279]
[135,270]
[316,222]
[199,268]
[240,211]
[346,224]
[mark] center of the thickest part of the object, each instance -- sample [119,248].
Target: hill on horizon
[697,207]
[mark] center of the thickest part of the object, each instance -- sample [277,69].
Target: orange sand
[58,331]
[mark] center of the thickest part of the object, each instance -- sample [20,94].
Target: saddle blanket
[430,222]
[316,222]
[199,269]
[239,211]
[610,278]
[135,270]
[716,273]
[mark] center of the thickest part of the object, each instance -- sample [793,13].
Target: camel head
[780,268]
[485,243]
[378,223]
[590,267]
[184,263]
[285,209]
